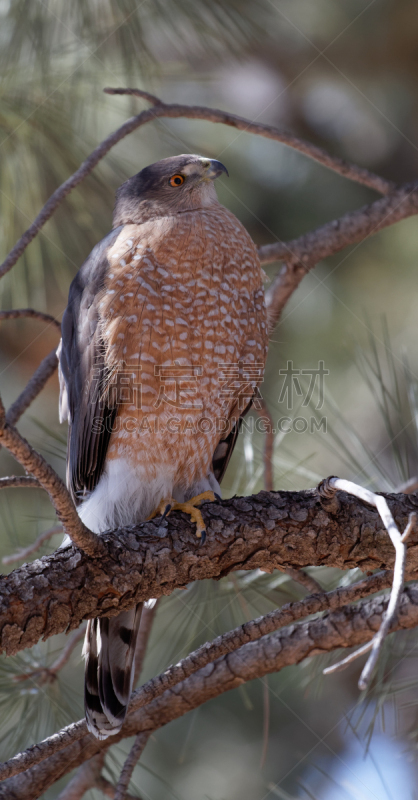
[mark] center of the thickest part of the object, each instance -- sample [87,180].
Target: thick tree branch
[345,627]
[267,531]
[204,655]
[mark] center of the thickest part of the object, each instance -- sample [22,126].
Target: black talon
[218,496]
[202,538]
[163,517]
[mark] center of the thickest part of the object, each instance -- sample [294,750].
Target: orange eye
[176,180]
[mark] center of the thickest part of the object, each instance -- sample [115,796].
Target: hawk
[164,342]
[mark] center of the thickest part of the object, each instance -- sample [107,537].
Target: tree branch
[19,482]
[267,531]
[35,385]
[339,165]
[129,765]
[85,778]
[302,254]
[343,168]
[345,627]
[204,655]
[34,463]
[24,552]
[17,313]
[49,674]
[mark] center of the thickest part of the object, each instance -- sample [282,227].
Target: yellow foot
[166,506]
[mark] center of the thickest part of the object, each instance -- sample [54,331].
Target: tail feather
[110,653]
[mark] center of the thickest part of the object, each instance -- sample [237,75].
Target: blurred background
[343,75]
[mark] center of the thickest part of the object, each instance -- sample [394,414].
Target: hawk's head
[176,184]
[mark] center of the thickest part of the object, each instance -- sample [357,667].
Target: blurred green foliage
[344,76]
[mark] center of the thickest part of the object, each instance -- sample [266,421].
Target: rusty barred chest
[184,324]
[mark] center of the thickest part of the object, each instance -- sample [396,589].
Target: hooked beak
[214,170]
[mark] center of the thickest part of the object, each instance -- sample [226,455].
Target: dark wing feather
[225,447]
[82,373]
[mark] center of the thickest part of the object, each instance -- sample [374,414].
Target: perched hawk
[164,342]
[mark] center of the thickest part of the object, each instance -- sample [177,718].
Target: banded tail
[109,648]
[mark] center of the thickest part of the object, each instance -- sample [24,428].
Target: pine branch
[267,531]
[24,552]
[346,627]
[130,764]
[85,778]
[19,482]
[204,655]
[302,254]
[60,497]
[299,255]
[34,386]
[339,165]
[17,313]
[49,674]
[276,251]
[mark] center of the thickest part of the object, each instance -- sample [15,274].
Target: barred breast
[185,333]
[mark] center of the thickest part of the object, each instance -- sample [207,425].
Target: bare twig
[108,789]
[151,98]
[85,778]
[129,765]
[300,255]
[344,627]
[190,112]
[49,674]
[62,659]
[339,165]
[19,482]
[34,463]
[302,577]
[411,526]
[24,552]
[35,385]
[16,313]
[266,721]
[267,419]
[327,488]
[408,487]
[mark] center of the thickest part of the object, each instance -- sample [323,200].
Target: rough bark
[345,627]
[271,530]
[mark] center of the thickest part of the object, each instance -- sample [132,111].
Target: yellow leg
[166,506]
